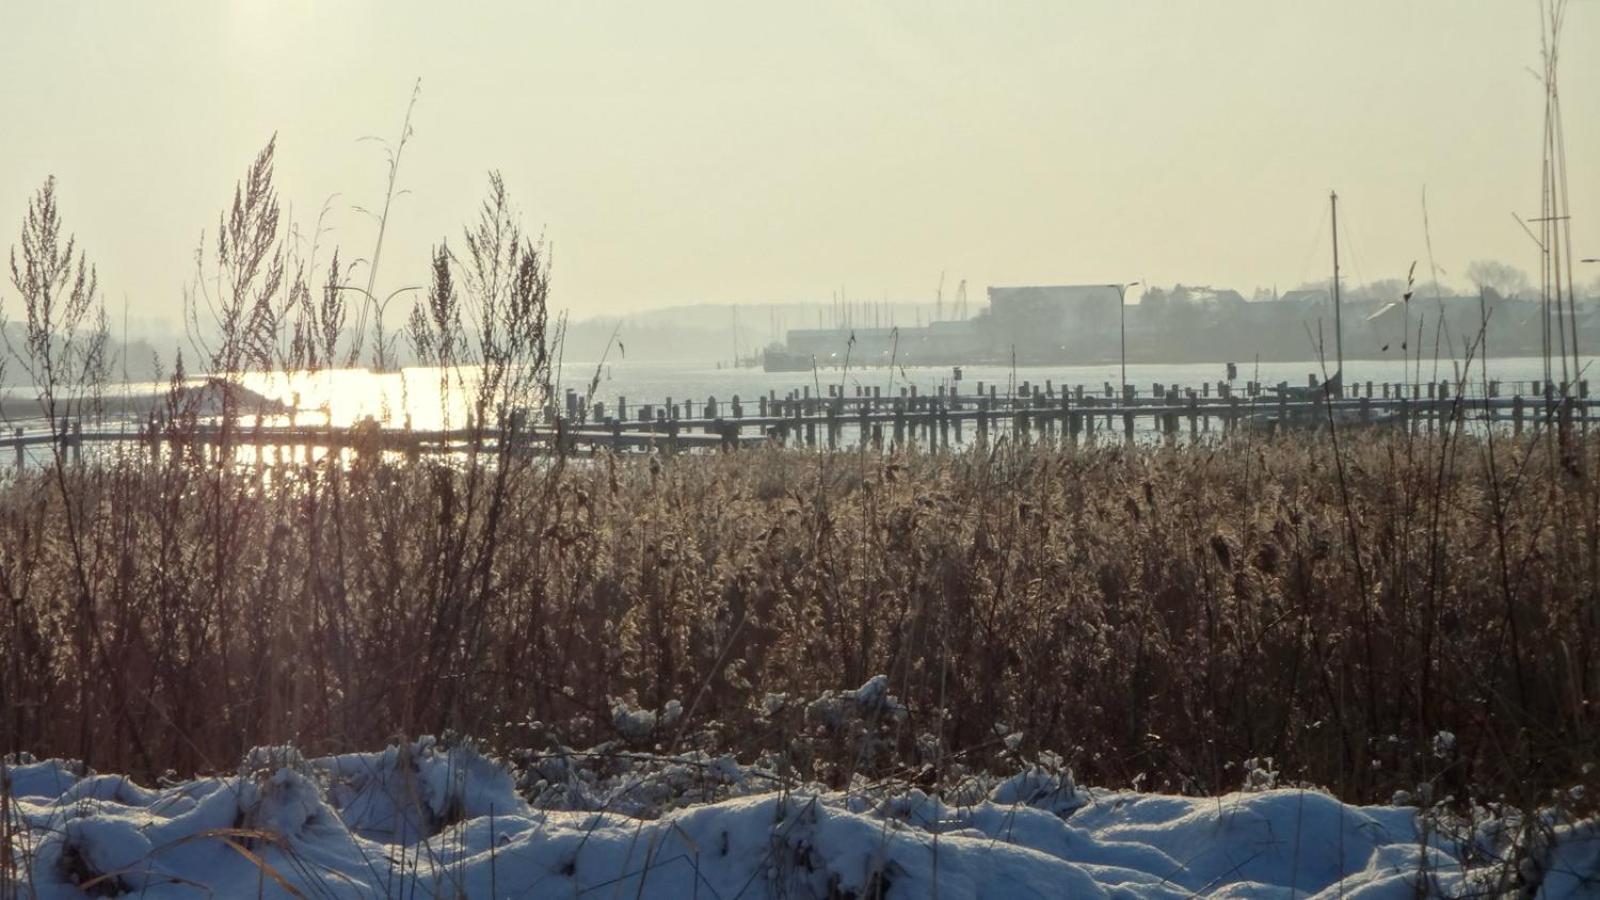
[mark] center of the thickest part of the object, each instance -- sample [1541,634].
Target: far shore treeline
[1176,324]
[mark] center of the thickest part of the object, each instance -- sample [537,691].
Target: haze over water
[728,152]
[354,394]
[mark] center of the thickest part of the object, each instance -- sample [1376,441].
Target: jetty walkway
[833,417]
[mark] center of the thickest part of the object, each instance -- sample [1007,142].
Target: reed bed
[1157,616]
[1371,610]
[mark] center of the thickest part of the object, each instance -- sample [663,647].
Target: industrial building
[1037,323]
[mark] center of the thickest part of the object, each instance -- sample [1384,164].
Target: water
[351,395]
[414,396]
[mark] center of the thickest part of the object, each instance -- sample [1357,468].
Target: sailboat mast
[1338,322]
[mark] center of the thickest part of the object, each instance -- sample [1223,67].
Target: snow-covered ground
[426,820]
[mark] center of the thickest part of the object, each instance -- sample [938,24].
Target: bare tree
[1502,278]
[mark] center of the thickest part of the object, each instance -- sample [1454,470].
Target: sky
[759,152]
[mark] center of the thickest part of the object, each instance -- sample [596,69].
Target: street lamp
[1122,328]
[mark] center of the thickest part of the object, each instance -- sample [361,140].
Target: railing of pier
[870,417]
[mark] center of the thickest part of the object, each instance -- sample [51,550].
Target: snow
[430,819]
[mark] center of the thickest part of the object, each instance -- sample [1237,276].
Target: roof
[1304,298]
[1057,293]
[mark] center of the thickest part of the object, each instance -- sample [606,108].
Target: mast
[1338,322]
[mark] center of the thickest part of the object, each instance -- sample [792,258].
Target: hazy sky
[737,151]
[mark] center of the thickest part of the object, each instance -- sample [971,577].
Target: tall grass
[1157,615]
[1164,613]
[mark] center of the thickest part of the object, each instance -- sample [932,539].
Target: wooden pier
[867,417]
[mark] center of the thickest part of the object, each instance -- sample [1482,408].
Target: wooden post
[21,454]
[1516,414]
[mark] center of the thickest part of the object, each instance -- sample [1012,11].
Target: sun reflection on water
[421,398]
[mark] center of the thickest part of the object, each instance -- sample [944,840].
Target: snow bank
[430,820]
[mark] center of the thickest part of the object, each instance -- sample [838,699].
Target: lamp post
[1122,328]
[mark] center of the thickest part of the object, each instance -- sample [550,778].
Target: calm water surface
[351,395]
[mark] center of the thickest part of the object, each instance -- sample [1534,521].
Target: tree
[1591,292]
[1503,278]
[1383,290]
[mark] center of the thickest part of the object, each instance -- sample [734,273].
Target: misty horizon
[725,154]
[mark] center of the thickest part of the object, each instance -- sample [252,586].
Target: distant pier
[871,417]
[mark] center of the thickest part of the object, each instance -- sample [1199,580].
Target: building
[1049,323]
[1039,324]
